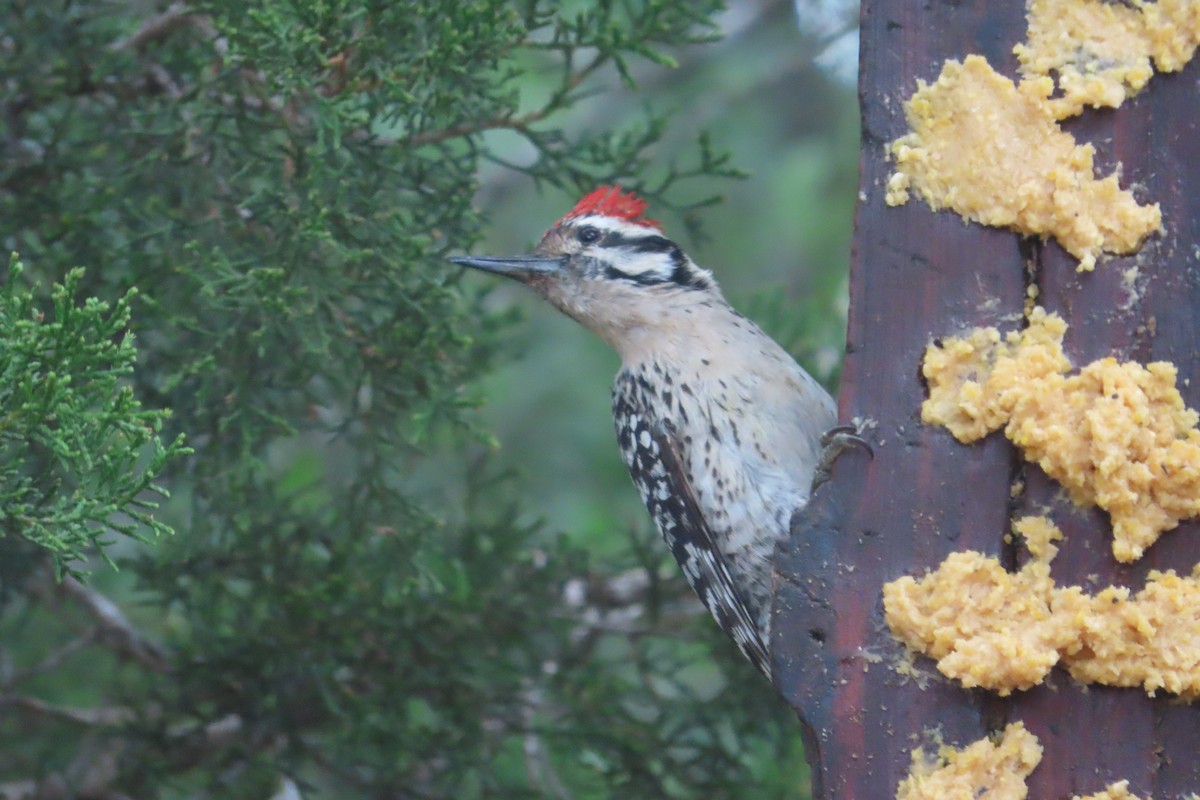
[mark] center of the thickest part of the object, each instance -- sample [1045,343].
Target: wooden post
[916,275]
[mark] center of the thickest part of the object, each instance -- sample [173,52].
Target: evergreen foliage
[353,604]
[72,435]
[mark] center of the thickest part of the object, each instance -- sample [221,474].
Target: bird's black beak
[521,268]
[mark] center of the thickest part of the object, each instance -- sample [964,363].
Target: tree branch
[158,27]
[101,717]
[114,630]
[54,660]
[519,124]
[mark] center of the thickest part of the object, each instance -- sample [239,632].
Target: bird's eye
[588,235]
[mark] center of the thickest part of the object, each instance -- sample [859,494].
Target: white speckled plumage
[719,427]
[747,422]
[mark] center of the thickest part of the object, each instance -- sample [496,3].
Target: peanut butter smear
[1117,791]
[1005,631]
[983,625]
[1115,434]
[1101,51]
[984,770]
[993,152]
[1150,639]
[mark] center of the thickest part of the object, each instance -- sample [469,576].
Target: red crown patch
[610,201]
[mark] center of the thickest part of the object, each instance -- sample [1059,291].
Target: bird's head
[607,266]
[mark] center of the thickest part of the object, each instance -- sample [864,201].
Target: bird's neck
[697,326]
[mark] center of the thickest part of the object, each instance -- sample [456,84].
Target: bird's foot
[834,442]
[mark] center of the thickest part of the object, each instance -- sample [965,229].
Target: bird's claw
[845,431]
[834,442]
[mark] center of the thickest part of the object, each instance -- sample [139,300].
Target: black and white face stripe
[650,243]
[622,251]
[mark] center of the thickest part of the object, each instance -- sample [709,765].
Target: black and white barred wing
[655,462]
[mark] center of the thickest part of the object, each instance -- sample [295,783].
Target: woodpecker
[722,431]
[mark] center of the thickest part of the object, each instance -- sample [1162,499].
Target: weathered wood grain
[916,275]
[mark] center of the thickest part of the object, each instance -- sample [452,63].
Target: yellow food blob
[1003,631]
[984,770]
[1151,639]
[1116,435]
[1101,51]
[983,625]
[994,153]
[1117,791]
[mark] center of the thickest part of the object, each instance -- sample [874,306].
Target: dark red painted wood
[916,275]
[1099,735]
